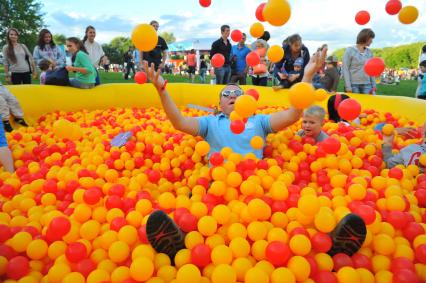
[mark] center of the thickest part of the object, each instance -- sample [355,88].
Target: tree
[168,37]
[25,16]
[114,55]
[121,43]
[59,39]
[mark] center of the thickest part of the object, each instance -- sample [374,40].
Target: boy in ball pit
[408,155]
[312,122]
[162,232]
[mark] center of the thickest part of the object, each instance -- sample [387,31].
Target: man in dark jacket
[224,47]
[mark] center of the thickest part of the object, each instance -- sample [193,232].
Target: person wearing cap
[287,79]
[329,80]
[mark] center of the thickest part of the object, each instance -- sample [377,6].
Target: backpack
[58,76]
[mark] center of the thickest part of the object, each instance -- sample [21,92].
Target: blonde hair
[316,111]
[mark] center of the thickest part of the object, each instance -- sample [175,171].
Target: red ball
[75,252]
[401,263]
[253,59]
[321,242]
[341,260]
[237,126]
[5,233]
[142,234]
[361,261]
[397,219]
[218,60]
[349,109]
[216,159]
[421,253]
[117,223]
[17,267]
[85,266]
[367,213]
[278,253]
[393,7]
[374,67]
[50,186]
[205,3]
[200,255]
[140,77]
[92,196]
[405,276]
[331,145]
[259,12]
[253,93]
[188,222]
[362,17]
[117,190]
[421,197]
[412,230]
[113,202]
[60,226]
[325,277]
[236,35]
[396,173]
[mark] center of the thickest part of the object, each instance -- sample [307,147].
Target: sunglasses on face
[228,92]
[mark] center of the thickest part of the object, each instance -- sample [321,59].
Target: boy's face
[297,68]
[312,125]
[423,69]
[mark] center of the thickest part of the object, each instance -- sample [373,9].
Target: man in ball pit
[162,232]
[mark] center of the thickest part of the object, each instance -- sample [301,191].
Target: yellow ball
[302,95]
[98,276]
[90,230]
[383,244]
[422,160]
[202,148]
[188,273]
[321,94]
[221,255]
[395,203]
[308,204]
[193,238]
[118,251]
[256,142]
[241,265]
[144,37]
[143,250]
[167,273]
[141,269]
[234,179]
[221,213]
[365,275]
[256,275]
[120,274]
[277,12]
[257,231]
[128,234]
[57,272]
[384,276]
[279,191]
[282,273]
[300,245]
[275,53]
[207,225]
[240,247]
[300,267]
[388,129]
[348,275]
[245,105]
[408,15]
[20,241]
[257,30]
[357,192]
[223,273]
[74,277]
[182,257]
[167,200]
[324,220]
[37,249]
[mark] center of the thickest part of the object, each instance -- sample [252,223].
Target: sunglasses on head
[229,92]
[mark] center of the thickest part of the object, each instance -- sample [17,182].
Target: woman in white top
[18,61]
[419,77]
[94,49]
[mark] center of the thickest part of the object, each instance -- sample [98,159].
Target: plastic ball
[256,275]
[348,275]
[202,148]
[240,247]
[17,267]
[300,245]
[200,255]
[388,129]
[321,242]
[408,15]
[236,35]
[321,94]
[221,254]
[362,17]
[257,142]
[277,12]
[257,30]
[237,127]
[218,60]
[118,251]
[37,249]
[205,3]
[374,67]
[245,106]
[141,269]
[144,37]
[300,267]
[140,77]
[278,253]
[275,53]
[188,271]
[393,7]
[309,204]
[259,12]
[252,59]
[207,225]
[302,95]
[224,273]
[349,109]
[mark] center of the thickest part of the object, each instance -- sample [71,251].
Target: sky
[317,21]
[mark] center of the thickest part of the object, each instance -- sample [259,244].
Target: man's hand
[153,76]
[35,75]
[315,63]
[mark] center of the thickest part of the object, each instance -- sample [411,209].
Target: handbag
[58,76]
[27,57]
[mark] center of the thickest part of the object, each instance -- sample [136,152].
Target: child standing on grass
[85,77]
[44,65]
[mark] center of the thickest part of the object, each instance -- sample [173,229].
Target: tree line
[402,56]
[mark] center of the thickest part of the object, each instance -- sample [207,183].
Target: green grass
[405,88]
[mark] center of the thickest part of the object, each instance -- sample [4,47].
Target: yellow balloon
[257,30]
[302,95]
[277,12]
[245,106]
[408,15]
[275,53]
[144,37]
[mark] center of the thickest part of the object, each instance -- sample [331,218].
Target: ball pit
[76,209]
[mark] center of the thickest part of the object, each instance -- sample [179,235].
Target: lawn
[405,88]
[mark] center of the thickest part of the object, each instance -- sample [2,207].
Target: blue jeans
[362,88]
[203,75]
[76,83]
[98,78]
[223,75]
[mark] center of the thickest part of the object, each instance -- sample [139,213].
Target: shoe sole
[163,234]
[348,236]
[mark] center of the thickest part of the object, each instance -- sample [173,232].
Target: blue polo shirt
[241,54]
[217,132]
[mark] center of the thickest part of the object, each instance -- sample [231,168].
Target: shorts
[3,141]
[191,69]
